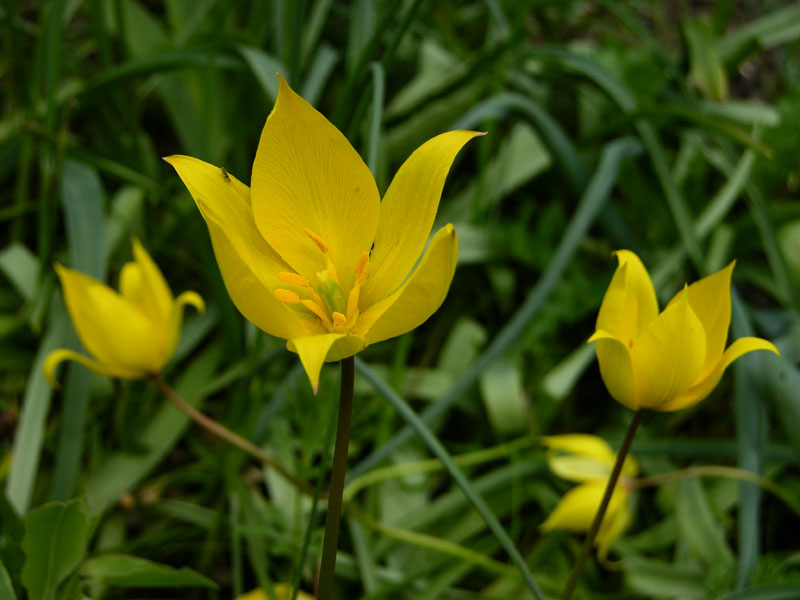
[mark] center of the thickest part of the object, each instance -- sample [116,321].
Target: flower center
[323,300]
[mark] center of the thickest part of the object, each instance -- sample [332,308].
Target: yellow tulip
[588,459]
[132,333]
[671,360]
[283,591]
[310,253]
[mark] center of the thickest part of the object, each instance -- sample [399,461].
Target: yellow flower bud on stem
[601,512]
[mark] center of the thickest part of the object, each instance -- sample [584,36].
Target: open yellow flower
[671,360]
[310,253]
[132,333]
[589,460]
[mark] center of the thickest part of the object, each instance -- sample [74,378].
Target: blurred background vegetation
[669,128]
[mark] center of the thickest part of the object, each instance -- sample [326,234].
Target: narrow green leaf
[767,592]
[265,68]
[123,570]
[83,200]
[698,528]
[706,69]
[6,589]
[55,541]
[35,406]
[21,267]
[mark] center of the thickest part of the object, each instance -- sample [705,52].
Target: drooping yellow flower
[283,591]
[310,253]
[588,460]
[130,334]
[671,360]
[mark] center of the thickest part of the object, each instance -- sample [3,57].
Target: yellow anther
[287,296]
[317,240]
[339,322]
[318,310]
[352,302]
[362,267]
[293,278]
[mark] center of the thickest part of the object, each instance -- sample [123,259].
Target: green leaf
[6,589]
[264,67]
[21,267]
[123,570]
[706,69]
[657,579]
[767,592]
[698,528]
[83,201]
[55,542]
[35,406]
[504,398]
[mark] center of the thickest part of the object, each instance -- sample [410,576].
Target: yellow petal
[112,329]
[577,508]
[583,457]
[407,213]
[306,175]
[702,389]
[56,357]
[710,299]
[316,349]
[419,297]
[629,304]
[616,368]
[618,519]
[176,318]
[156,293]
[669,355]
[249,266]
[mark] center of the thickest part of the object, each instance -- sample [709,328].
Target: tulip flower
[130,334]
[588,460]
[671,360]
[310,253]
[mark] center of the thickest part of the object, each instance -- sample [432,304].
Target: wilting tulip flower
[588,459]
[671,360]
[310,253]
[130,334]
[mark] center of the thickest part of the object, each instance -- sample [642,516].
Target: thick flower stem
[588,543]
[332,518]
[226,434]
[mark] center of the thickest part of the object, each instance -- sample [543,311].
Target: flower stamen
[287,296]
[317,240]
[293,278]
[362,267]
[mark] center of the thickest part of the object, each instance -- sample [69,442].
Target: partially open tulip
[130,334]
[588,460]
[671,360]
[310,253]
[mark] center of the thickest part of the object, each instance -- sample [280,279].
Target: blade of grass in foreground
[436,447]
[592,201]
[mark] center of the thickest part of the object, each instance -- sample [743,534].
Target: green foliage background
[671,129]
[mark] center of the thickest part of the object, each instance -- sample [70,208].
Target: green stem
[721,471]
[229,436]
[334,515]
[588,543]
